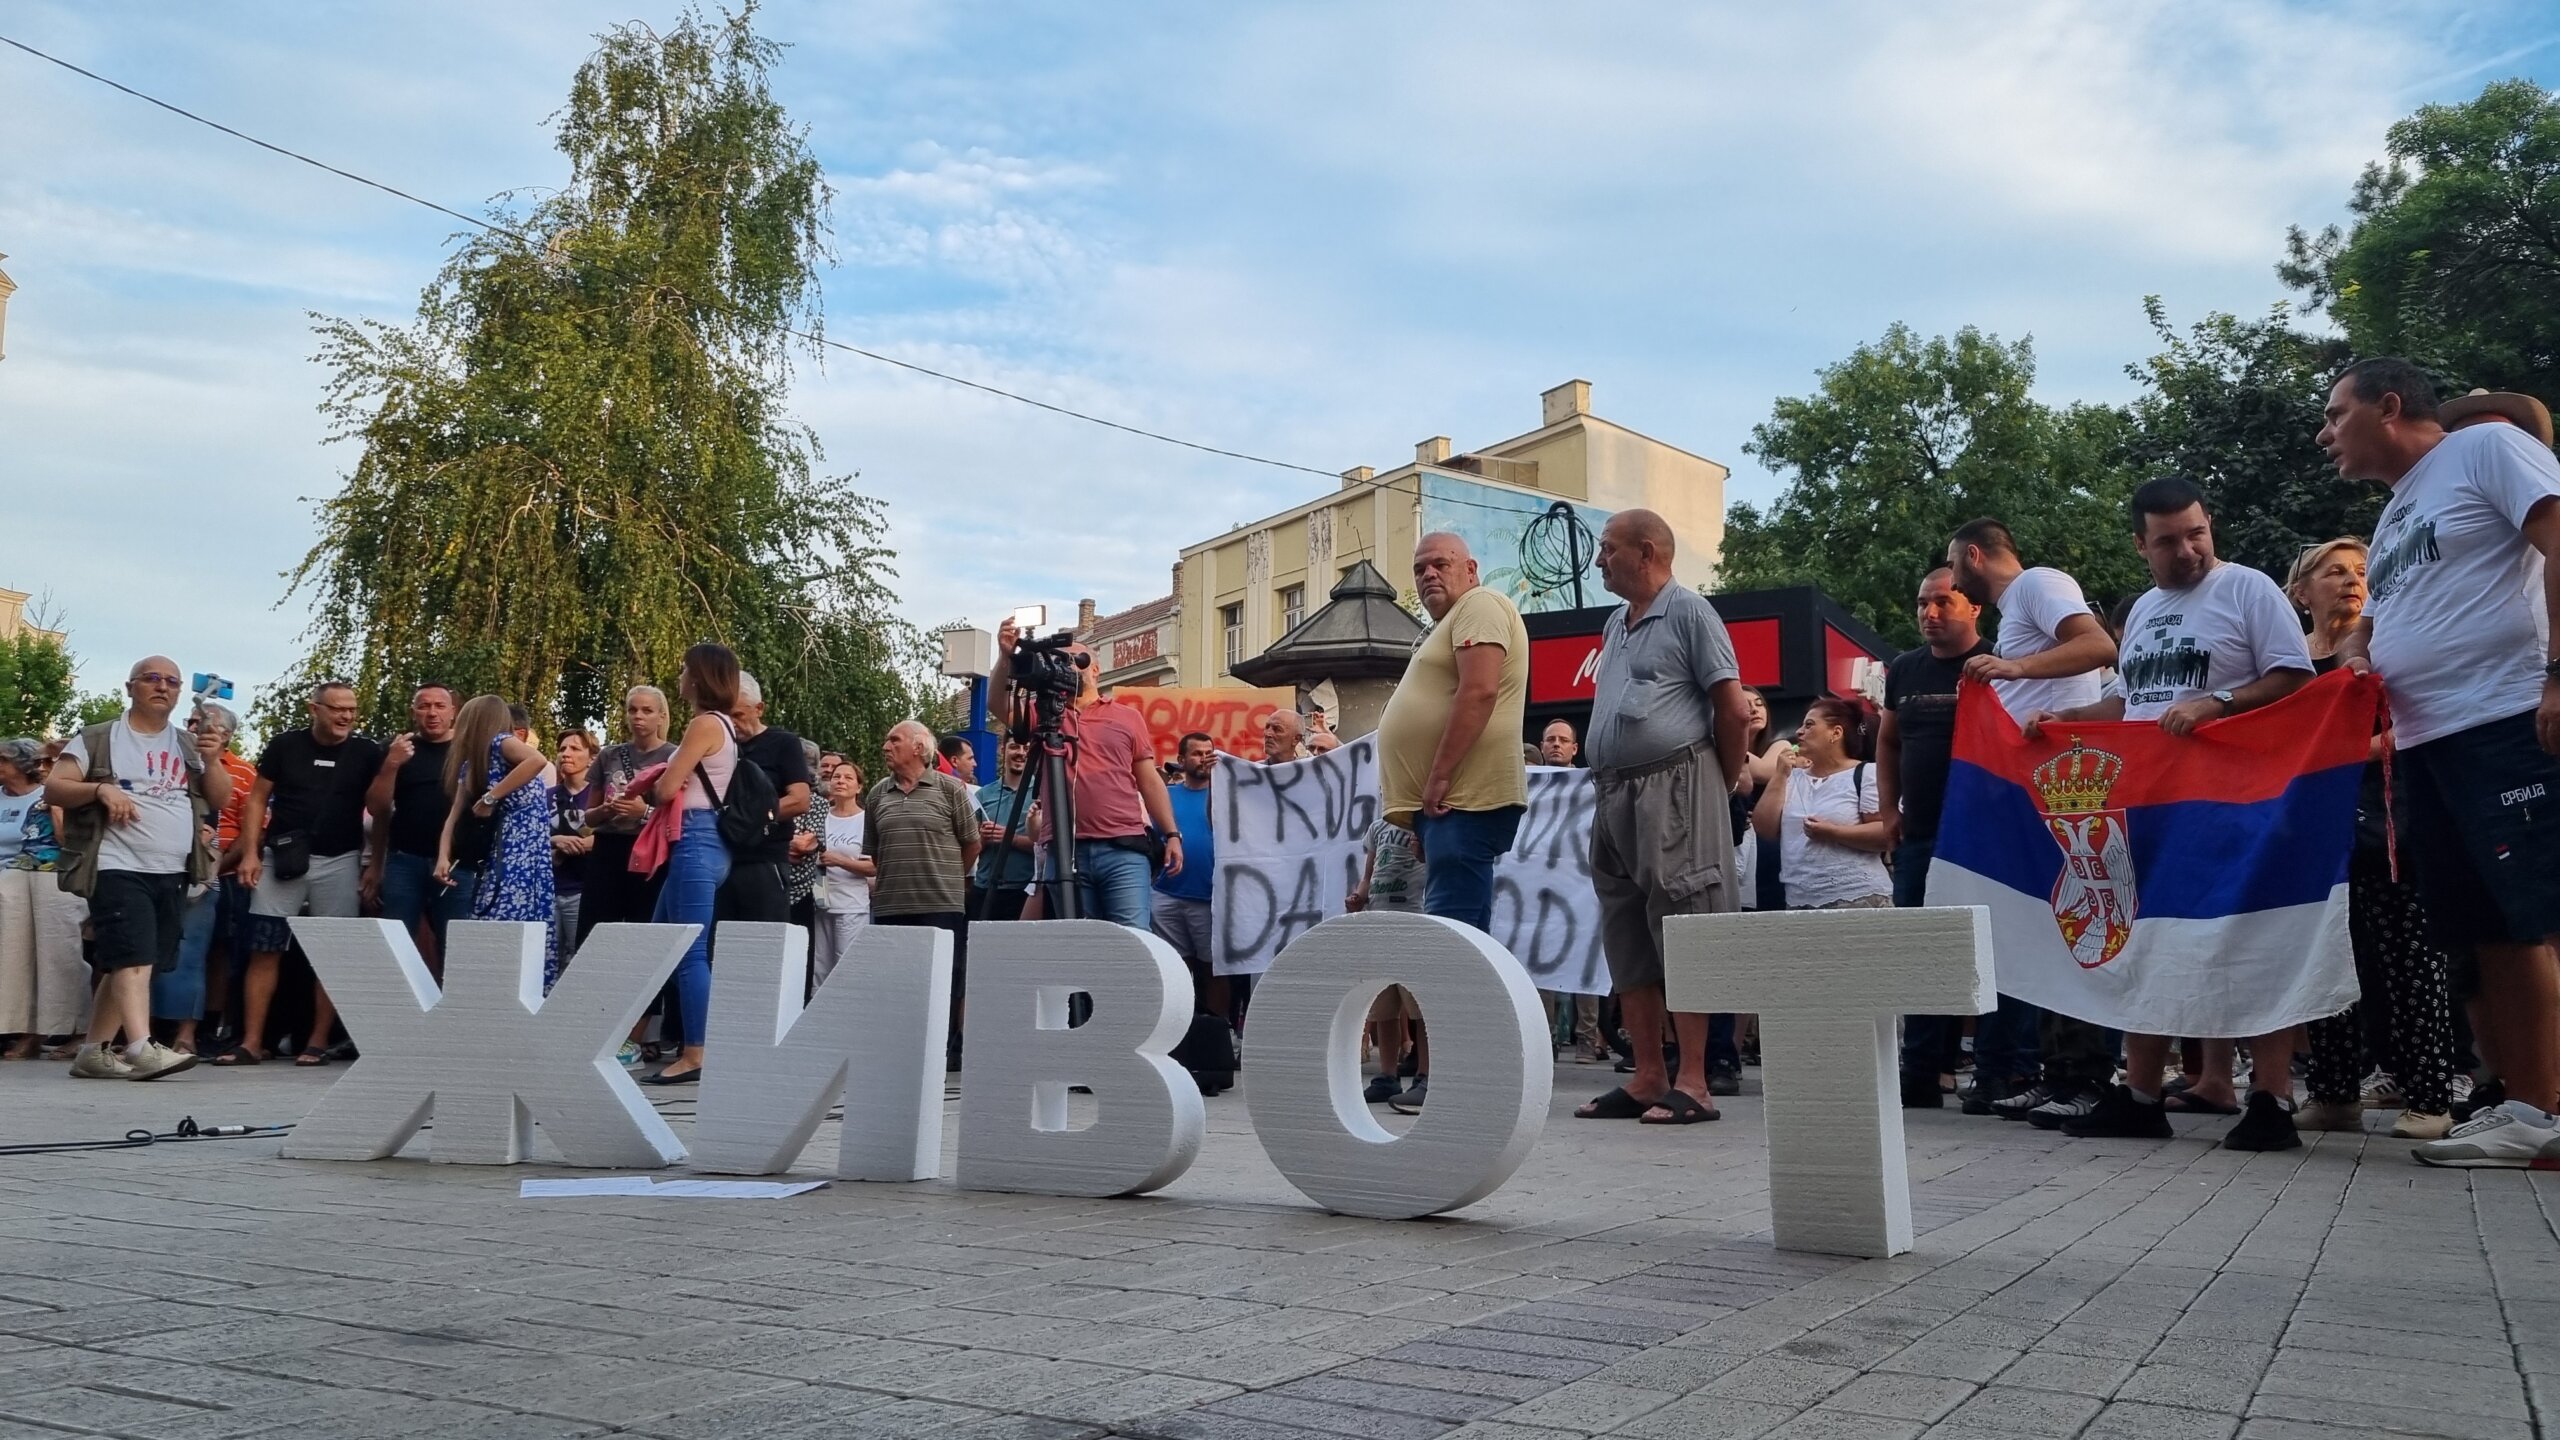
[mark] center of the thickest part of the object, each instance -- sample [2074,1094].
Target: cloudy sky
[1317,232]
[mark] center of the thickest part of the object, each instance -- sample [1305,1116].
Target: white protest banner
[1544,909]
[1291,839]
[1289,848]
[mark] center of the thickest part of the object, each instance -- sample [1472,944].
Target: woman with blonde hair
[2402,973]
[495,779]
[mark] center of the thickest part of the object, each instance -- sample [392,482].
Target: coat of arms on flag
[2093,897]
[2172,885]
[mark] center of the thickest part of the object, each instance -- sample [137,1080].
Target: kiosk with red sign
[1795,646]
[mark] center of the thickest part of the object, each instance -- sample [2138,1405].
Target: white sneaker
[2381,1091]
[2512,1136]
[99,1062]
[155,1061]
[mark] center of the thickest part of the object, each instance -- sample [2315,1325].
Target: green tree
[35,683]
[89,710]
[2235,405]
[577,462]
[1908,439]
[2452,257]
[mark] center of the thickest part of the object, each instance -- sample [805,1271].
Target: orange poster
[1231,717]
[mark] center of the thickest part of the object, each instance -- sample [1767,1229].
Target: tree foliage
[578,461]
[2453,254]
[35,684]
[2235,406]
[1904,441]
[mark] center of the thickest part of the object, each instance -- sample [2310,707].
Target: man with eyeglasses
[301,852]
[135,794]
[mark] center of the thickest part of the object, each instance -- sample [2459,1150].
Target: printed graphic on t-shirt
[2157,670]
[2406,543]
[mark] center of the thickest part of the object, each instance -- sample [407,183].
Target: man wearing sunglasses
[135,793]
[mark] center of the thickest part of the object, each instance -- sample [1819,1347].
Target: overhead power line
[812,337]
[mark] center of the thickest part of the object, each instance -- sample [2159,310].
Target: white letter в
[1492,1065]
[1022,1058]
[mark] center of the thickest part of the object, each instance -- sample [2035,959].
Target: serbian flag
[2170,885]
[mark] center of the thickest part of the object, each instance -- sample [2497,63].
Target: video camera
[1051,674]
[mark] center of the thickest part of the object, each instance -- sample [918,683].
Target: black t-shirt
[319,789]
[777,752]
[1920,690]
[419,801]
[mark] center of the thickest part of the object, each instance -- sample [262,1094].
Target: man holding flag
[2051,648]
[2208,640]
[2465,608]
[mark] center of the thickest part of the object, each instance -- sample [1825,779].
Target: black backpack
[746,813]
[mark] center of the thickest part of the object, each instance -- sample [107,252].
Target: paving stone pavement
[1622,1284]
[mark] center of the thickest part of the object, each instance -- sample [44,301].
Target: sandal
[311,1058]
[229,1058]
[1616,1105]
[1682,1108]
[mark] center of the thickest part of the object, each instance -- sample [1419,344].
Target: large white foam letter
[1022,1058]
[872,1035]
[1827,985]
[1492,1065]
[490,1055]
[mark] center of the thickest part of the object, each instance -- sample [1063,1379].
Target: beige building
[13,616]
[1238,593]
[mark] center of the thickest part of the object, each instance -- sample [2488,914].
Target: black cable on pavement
[188,1130]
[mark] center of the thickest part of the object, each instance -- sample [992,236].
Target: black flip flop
[311,1059]
[1616,1105]
[2187,1102]
[1684,1108]
[663,1078]
[229,1058]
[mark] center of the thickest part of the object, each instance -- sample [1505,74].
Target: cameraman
[1114,784]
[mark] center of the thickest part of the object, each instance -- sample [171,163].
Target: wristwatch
[2551,670]
[2225,697]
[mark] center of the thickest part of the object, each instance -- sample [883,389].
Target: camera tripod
[1046,780]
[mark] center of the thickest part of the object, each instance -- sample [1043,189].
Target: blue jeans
[408,882]
[1458,854]
[1722,1053]
[697,866]
[1117,886]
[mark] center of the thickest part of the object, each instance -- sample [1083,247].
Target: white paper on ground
[669,1189]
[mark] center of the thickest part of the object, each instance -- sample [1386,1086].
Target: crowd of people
[148,874]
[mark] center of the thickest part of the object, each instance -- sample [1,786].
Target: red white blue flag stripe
[2171,885]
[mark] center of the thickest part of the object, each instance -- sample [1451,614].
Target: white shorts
[328,888]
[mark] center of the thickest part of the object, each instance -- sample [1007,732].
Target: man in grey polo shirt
[1668,725]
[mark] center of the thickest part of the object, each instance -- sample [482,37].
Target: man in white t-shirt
[130,821]
[2208,640]
[2051,646]
[2050,650]
[2464,609]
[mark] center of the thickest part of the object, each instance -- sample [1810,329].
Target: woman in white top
[846,871]
[1829,830]
[698,863]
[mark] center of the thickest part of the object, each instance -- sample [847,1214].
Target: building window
[1232,617]
[1293,607]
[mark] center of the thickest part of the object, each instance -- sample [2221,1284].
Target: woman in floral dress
[497,781]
